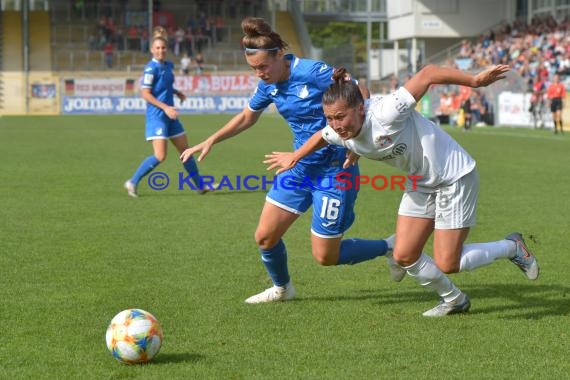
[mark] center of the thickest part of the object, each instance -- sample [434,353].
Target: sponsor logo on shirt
[398,150]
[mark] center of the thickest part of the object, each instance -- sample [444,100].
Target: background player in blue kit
[295,86]
[162,123]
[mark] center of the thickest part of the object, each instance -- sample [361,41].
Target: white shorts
[451,207]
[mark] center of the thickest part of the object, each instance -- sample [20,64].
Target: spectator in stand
[564,68]
[219,28]
[133,38]
[479,108]
[144,44]
[199,63]
[185,64]
[536,107]
[556,92]
[189,41]
[466,49]
[455,107]
[179,41]
[120,38]
[445,108]
[465,96]
[108,53]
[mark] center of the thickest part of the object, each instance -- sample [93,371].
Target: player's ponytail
[340,75]
[344,89]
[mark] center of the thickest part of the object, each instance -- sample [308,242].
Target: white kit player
[389,129]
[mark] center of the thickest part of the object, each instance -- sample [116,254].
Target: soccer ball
[134,336]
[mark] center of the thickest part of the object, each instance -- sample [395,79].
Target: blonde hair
[159,33]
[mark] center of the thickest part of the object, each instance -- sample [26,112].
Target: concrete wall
[444,18]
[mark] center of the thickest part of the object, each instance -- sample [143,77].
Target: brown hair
[258,36]
[343,89]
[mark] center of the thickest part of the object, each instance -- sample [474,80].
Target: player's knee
[160,156]
[404,259]
[265,240]
[324,257]
[448,267]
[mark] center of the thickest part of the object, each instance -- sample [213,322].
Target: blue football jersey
[159,77]
[298,100]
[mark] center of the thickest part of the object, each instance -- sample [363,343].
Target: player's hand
[171,112]
[203,147]
[351,159]
[491,75]
[181,96]
[282,160]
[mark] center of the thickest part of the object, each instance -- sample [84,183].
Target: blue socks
[145,167]
[192,169]
[275,261]
[354,251]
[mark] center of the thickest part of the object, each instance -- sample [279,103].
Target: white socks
[479,254]
[428,275]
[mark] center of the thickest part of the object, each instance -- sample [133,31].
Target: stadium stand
[40,41]
[12,41]
[284,24]
[1,66]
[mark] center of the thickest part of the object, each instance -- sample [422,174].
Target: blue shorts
[333,202]
[163,128]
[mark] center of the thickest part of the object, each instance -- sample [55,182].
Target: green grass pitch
[75,250]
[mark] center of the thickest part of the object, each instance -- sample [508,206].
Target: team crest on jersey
[302,92]
[382,141]
[323,68]
[273,92]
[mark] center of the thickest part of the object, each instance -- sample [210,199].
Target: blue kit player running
[162,122]
[296,86]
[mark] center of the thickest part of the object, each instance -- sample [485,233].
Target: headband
[254,50]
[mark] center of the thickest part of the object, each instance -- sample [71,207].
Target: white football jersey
[394,132]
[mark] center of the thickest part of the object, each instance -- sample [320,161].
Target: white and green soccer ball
[134,336]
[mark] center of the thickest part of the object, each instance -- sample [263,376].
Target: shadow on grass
[169,358]
[508,301]
[525,301]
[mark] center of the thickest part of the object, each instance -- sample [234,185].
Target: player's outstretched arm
[286,160]
[236,125]
[433,74]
